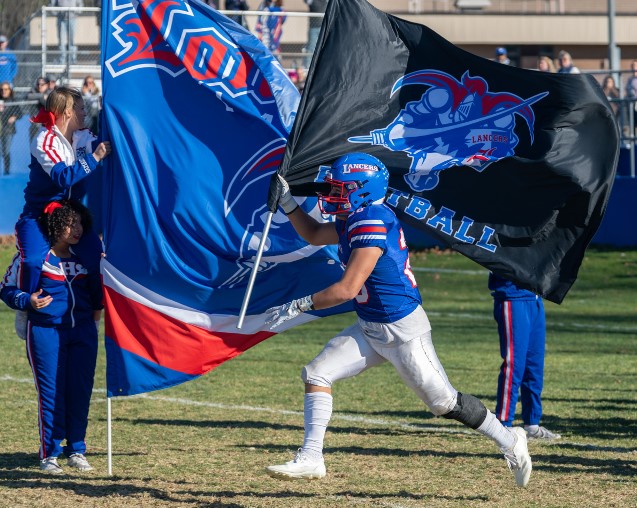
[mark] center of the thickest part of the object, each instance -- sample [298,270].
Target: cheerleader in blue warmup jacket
[63,155]
[61,340]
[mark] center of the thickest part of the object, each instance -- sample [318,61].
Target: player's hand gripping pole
[285,201]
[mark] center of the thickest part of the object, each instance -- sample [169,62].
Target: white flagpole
[109,437]
[255,268]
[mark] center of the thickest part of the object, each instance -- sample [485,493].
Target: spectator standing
[297,75]
[501,56]
[611,92]
[269,29]
[522,330]
[39,93]
[566,63]
[66,24]
[8,116]
[314,27]
[631,82]
[91,96]
[212,3]
[545,64]
[237,5]
[64,314]
[8,63]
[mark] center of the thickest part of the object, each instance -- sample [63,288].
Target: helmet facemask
[340,199]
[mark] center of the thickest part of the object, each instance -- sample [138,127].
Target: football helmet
[357,179]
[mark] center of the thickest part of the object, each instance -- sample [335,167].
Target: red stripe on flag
[169,342]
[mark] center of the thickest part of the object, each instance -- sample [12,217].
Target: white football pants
[405,343]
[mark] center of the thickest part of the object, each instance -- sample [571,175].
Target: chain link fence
[62,46]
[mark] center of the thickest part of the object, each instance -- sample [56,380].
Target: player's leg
[513,322]
[533,380]
[418,365]
[344,356]
[80,372]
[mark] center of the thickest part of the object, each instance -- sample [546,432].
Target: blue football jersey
[390,293]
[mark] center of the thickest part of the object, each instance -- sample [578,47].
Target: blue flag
[198,112]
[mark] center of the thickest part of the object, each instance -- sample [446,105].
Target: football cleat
[302,467]
[518,458]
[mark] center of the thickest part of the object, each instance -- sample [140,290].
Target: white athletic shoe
[21,321]
[518,458]
[302,467]
[50,465]
[541,433]
[79,462]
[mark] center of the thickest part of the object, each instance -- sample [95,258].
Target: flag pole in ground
[255,268]
[109,437]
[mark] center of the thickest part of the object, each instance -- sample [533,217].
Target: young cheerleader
[63,317]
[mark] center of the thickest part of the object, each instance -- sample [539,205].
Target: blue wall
[619,226]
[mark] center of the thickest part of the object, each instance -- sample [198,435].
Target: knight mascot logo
[454,123]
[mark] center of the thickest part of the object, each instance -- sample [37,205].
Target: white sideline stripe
[336,416]
[124,285]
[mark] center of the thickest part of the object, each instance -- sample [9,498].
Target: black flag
[511,167]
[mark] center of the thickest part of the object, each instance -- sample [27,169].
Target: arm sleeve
[15,298]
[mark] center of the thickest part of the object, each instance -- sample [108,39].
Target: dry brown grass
[7,240]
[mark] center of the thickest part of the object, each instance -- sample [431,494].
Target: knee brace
[469,410]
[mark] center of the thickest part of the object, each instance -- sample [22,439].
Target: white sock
[493,428]
[317,412]
[531,429]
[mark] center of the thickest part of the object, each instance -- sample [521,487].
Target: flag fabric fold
[198,112]
[511,167]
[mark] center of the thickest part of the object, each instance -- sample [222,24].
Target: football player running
[392,325]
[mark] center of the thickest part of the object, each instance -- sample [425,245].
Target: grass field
[206,443]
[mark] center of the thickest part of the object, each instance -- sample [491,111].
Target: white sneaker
[540,432]
[79,462]
[50,465]
[518,458]
[301,467]
[21,321]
